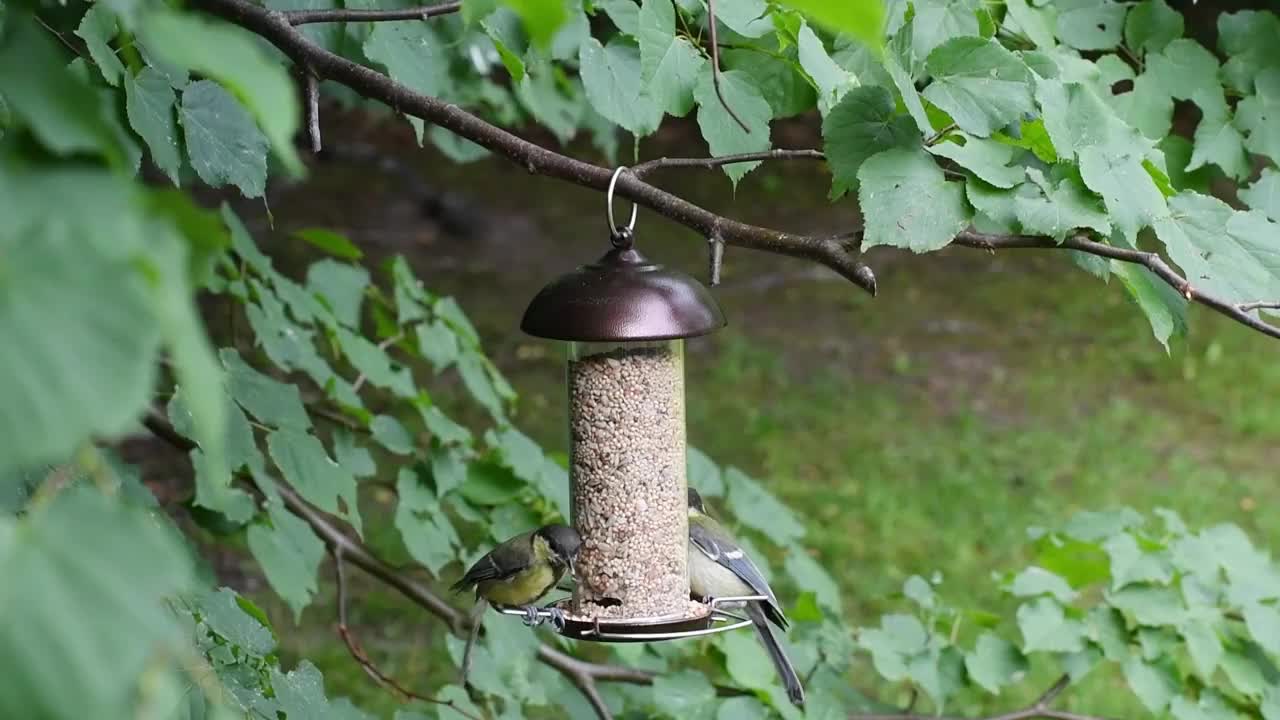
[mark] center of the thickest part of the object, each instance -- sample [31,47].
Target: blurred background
[927,429]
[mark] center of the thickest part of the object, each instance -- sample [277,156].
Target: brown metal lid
[622,296]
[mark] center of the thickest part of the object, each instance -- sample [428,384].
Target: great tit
[718,568]
[518,573]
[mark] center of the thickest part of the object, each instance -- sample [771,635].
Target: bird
[518,573]
[719,568]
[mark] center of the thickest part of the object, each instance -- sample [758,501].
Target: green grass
[921,431]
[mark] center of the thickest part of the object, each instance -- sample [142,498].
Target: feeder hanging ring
[616,233]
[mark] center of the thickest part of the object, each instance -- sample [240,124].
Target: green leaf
[289,554]
[1100,525]
[1090,24]
[988,159]
[1152,25]
[1228,252]
[1128,190]
[1263,623]
[542,18]
[981,85]
[1035,581]
[939,21]
[757,508]
[425,529]
[1248,40]
[1244,673]
[809,574]
[625,14]
[1045,626]
[1154,685]
[234,58]
[704,474]
[90,576]
[479,381]
[391,434]
[995,662]
[1149,605]
[862,19]
[1147,107]
[223,143]
[54,276]
[831,80]
[1259,116]
[669,66]
[1061,210]
[746,662]
[919,591]
[781,82]
[306,466]
[1164,307]
[689,694]
[149,102]
[446,431]
[898,638]
[490,483]
[861,125]
[224,612]
[1034,22]
[611,78]
[908,203]
[1211,706]
[1203,645]
[270,401]
[330,242]
[414,55]
[1264,194]
[300,692]
[748,18]
[1130,564]
[342,285]
[438,344]
[61,109]
[910,96]
[723,134]
[97,27]
[1271,703]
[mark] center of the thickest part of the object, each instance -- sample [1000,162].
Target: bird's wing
[500,563]
[716,543]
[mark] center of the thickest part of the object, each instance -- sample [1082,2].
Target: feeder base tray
[716,618]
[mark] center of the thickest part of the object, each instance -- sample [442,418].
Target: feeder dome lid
[621,297]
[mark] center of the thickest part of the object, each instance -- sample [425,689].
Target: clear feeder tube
[628,478]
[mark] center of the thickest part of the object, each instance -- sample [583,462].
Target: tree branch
[714,162]
[358,653]
[275,27]
[304,17]
[311,85]
[1149,260]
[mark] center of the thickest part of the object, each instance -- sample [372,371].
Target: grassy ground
[924,430]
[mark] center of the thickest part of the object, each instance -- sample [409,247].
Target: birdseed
[628,482]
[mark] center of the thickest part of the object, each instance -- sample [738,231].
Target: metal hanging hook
[620,237]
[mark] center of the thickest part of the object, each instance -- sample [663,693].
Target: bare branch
[1261,305]
[304,17]
[358,653]
[1149,260]
[934,138]
[1038,709]
[715,66]
[714,162]
[311,84]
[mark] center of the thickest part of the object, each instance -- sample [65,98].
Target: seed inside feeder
[628,483]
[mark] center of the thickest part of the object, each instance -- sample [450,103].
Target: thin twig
[715,66]
[934,138]
[312,85]
[63,40]
[717,258]
[360,379]
[715,162]
[304,17]
[362,658]
[1260,305]
[1149,260]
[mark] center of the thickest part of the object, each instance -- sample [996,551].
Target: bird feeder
[624,320]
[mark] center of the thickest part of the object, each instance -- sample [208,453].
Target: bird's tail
[477,619]
[787,673]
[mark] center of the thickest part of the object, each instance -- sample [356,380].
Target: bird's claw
[557,618]
[531,616]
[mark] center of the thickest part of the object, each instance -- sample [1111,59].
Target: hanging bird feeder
[624,320]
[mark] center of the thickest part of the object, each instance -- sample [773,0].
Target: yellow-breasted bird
[518,573]
[718,568]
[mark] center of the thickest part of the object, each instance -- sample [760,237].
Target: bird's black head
[564,541]
[695,501]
